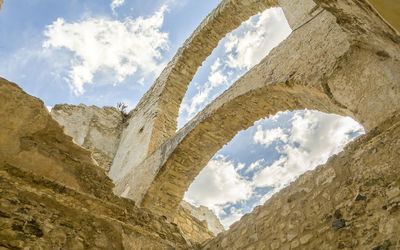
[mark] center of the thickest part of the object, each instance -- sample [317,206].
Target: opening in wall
[235,55]
[267,157]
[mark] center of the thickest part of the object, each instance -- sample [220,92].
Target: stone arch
[323,65]
[319,66]
[155,117]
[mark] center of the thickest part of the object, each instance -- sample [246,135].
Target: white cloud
[255,166]
[310,139]
[261,34]
[267,137]
[99,45]
[217,184]
[241,49]
[314,137]
[215,79]
[116,3]
[234,215]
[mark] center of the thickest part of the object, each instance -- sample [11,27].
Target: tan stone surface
[192,227]
[31,140]
[389,10]
[94,128]
[39,214]
[203,213]
[358,208]
[53,196]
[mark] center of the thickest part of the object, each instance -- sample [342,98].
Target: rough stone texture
[39,214]
[341,58]
[31,140]
[53,196]
[389,11]
[203,213]
[154,119]
[96,129]
[320,210]
[191,227]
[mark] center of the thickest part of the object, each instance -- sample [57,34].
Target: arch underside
[320,66]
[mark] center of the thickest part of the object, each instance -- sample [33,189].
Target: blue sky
[101,52]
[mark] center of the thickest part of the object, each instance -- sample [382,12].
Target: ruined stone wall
[329,63]
[192,227]
[96,129]
[52,194]
[39,214]
[351,202]
[203,213]
[198,223]
[341,58]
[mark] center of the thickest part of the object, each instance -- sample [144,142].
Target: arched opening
[292,77]
[235,54]
[267,157]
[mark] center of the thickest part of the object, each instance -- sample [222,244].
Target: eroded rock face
[94,128]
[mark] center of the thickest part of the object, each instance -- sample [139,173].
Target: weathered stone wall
[94,128]
[389,10]
[52,194]
[98,130]
[197,223]
[341,58]
[31,140]
[351,202]
[203,213]
[192,227]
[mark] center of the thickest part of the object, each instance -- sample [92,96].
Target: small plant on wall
[122,108]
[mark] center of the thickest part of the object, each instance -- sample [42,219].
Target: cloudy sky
[101,52]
